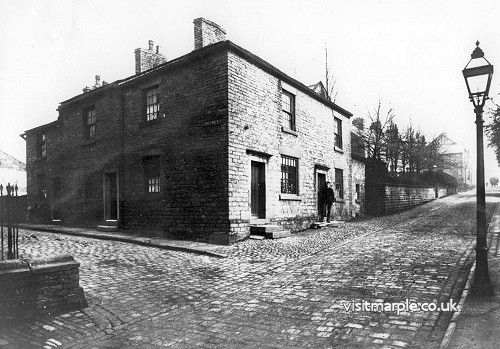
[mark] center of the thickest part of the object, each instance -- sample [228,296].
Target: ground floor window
[289,175]
[339,183]
[358,190]
[152,174]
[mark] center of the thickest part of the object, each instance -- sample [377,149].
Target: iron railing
[10,216]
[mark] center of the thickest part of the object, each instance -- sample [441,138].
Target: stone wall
[398,198]
[358,178]
[256,134]
[33,288]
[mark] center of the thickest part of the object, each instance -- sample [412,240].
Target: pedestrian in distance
[329,199]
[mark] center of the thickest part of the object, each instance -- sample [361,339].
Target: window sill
[88,142]
[338,150]
[290,197]
[340,201]
[289,131]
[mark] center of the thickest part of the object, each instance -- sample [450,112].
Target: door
[110,197]
[258,190]
[321,184]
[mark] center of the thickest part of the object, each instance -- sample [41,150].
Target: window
[288,107]
[289,175]
[358,192]
[152,173]
[339,183]
[152,105]
[338,133]
[41,145]
[90,123]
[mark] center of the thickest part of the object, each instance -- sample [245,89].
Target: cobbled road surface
[285,293]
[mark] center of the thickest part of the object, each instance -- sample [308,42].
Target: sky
[408,54]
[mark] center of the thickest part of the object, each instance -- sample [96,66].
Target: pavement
[144,240]
[478,324]
[285,293]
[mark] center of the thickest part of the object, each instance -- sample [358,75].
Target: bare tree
[330,81]
[493,131]
[374,136]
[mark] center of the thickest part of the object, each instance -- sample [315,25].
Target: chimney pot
[151,45]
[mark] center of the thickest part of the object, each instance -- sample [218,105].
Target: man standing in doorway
[329,199]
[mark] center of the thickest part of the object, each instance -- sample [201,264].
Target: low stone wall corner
[34,288]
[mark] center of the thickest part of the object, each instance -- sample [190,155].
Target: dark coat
[329,196]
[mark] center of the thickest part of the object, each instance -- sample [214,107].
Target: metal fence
[10,215]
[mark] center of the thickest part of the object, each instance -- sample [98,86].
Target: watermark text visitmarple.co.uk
[399,307]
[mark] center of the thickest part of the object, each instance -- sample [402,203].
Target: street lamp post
[477,74]
[436,194]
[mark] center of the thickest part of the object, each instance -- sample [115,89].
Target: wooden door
[321,184]
[110,197]
[258,190]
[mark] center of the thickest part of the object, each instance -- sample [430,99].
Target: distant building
[454,160]
[204,146]
[12,171]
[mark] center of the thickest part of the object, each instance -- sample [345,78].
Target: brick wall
[255,127]
[38,287]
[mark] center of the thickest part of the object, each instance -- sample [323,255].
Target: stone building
[202,146]
[12,171]
[454,160]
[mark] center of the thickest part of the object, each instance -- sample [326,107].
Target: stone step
[102,227]
[317,225]
[278,234]
[263,229]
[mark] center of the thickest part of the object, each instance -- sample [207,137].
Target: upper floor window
[90,122]
[152,105]
[339,183]
[289,175]
[152,173]
[288,108]
[358,192]
[338,133]
[41,147]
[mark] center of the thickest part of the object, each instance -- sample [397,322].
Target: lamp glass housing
[477,74]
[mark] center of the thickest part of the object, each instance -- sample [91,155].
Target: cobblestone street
[285,293]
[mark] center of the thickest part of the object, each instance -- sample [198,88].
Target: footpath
[164,243]
[478,323]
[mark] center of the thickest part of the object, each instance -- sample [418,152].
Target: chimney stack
[207,33]
[147,59]
[97,81]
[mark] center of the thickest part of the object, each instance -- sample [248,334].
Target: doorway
[320,186]
[110,197]
[258,190]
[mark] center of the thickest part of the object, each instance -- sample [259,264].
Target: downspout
[122,177]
